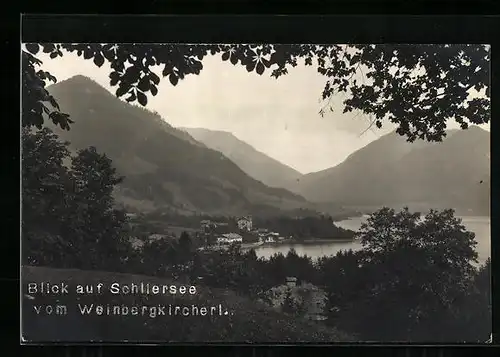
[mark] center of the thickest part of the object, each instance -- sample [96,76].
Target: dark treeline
[302,228]
[181,220]
[413,280]
[313,226]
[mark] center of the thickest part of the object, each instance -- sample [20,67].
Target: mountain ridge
[163,166]
[391,171]
[255,163]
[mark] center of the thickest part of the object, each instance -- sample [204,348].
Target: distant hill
[454,173]
[163,166]
[255,163]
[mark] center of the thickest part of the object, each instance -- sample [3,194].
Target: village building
[229,238]
[291,281]
[157,236]
[245,223]
[205,223]
[310,298]
[136,242]
[271,237]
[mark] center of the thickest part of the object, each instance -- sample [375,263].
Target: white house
[291,281]
[157,236]
[245,223]
[269,239]
[229,238]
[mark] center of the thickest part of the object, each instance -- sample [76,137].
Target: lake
[479,225]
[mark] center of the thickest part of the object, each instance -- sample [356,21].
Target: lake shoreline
[311,241]
[320,240]
[316,248]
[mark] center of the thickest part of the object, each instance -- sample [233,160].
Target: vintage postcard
[255,193]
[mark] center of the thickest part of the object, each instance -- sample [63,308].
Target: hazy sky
[276,116]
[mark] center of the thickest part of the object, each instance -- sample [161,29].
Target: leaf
[141,97]
[154,78]
[53,102]
[173,79]
[132,73]
[98,59]
[225,56]
[51,77]
[131,97]
[53,55]
[47,48]
[144,84]
[87,53]
[266,62]
[33,48]
[234,59]
[153,90]
[122,89]
[150,61]
[109,55]
[260,68]
[167,69]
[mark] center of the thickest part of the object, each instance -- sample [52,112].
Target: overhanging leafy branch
[417,87]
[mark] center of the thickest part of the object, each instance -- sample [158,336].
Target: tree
[69,217]
[336,272]
[95,178]
[100,228]
[46,184]
[185,247]
[185,242]
[289,305]
[410,280]
[417,87]
[440,235]
[276,268]
[474,317]
[300,267]
[159,257]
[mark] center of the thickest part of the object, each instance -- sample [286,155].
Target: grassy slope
[251,321]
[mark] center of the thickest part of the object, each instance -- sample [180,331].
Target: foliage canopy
[417,87]
[69,215]
[414,276]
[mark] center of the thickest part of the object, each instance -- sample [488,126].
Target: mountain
[163,166]
[256,164]
[454,173]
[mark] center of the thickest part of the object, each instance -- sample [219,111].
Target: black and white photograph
[255,193]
